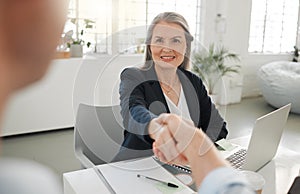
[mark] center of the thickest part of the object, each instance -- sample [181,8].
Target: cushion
[280,84]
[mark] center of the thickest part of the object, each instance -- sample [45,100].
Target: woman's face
[168,45]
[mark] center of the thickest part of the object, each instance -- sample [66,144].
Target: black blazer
[142,99]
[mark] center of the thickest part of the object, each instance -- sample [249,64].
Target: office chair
[98,134]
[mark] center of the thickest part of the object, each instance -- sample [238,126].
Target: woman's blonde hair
[169,17]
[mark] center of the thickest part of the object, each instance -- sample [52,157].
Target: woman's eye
[175,40]
[159,40]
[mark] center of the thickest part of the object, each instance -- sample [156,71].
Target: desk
[122,177]
[278,173]
[83,182]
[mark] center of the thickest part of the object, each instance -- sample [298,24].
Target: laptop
[264,141]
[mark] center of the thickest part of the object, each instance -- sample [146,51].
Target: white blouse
[181,109]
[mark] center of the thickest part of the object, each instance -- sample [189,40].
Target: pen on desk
[166,183]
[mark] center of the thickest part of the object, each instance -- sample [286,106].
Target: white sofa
[280,84]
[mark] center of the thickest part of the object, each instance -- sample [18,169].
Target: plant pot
[76,50]
[231,89]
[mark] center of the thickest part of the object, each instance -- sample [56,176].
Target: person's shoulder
[131,70]
[134,73]
[21,176]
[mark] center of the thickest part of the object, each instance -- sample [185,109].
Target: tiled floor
[55,149]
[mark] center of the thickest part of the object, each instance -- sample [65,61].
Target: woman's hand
[163,138]
[180,130]
[190,145]
[165,147]
[178,159]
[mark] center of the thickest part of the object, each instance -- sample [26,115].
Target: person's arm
[136,116]
[199,149]
[224,180]
[182,140]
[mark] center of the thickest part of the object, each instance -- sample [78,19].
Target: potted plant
[76,44]
[210,65]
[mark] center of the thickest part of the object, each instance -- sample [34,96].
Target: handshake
[178,141]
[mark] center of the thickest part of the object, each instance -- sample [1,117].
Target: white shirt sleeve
[225,180]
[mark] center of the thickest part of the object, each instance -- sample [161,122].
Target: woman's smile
[167,58]
[168,45]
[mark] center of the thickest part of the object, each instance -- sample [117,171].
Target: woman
[164,85]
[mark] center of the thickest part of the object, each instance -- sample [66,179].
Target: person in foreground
[164,84]
[29,33]
[179,141]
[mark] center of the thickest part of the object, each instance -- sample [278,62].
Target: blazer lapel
[151,77]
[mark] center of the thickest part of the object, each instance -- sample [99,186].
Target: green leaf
[88,44]
[210,65]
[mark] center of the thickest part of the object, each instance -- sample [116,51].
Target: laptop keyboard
[237,159]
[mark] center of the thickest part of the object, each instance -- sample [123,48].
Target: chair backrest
[98,134]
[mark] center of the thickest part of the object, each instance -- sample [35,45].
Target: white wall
[45,105]
[52,102]
[97,81]
[238,14]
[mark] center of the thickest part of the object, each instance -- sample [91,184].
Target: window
[119,26]
[96,14]
[274,26]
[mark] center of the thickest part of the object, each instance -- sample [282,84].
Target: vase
[76,50]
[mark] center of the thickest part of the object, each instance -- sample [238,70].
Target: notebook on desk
[122,177]
[264,141]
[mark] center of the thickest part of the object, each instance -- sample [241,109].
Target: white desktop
[279,174]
